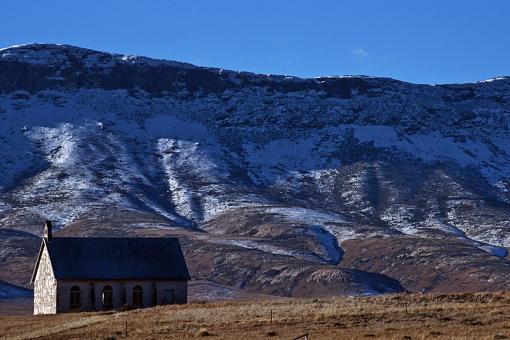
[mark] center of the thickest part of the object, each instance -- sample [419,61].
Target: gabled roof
[87,258]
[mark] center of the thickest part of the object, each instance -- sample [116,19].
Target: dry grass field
[466,316]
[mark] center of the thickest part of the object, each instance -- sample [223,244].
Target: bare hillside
[464,316]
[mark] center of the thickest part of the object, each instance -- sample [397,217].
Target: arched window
[137,297]
[107,297]
[75,297]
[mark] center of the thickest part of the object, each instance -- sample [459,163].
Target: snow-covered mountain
[276,184]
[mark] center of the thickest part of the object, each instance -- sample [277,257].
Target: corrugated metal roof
[87,258]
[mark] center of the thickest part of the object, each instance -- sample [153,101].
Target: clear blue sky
[425,41]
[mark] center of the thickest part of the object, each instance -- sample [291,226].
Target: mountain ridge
[141,59]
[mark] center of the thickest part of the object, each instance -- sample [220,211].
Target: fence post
[405,299]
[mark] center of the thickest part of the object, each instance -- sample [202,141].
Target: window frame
[107,297]
[138,296]
[75,297]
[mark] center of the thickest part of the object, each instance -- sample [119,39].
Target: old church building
[87,274]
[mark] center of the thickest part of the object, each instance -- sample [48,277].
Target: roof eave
[34,273]
[183,259]
[125,279]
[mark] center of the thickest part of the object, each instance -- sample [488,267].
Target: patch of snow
[494,250]
[279,157]
[324,226]
[456,231]
[259,246]
[308,216]
[493,79]
[433,147]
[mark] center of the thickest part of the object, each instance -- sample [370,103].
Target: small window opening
[107,297]
[75,297]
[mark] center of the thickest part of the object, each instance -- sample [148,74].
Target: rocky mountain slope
[274,184]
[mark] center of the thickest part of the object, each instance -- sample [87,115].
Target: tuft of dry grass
[203,332]
[401,316]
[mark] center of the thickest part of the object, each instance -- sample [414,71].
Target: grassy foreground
[472,316]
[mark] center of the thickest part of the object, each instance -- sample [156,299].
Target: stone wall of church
[45,287]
